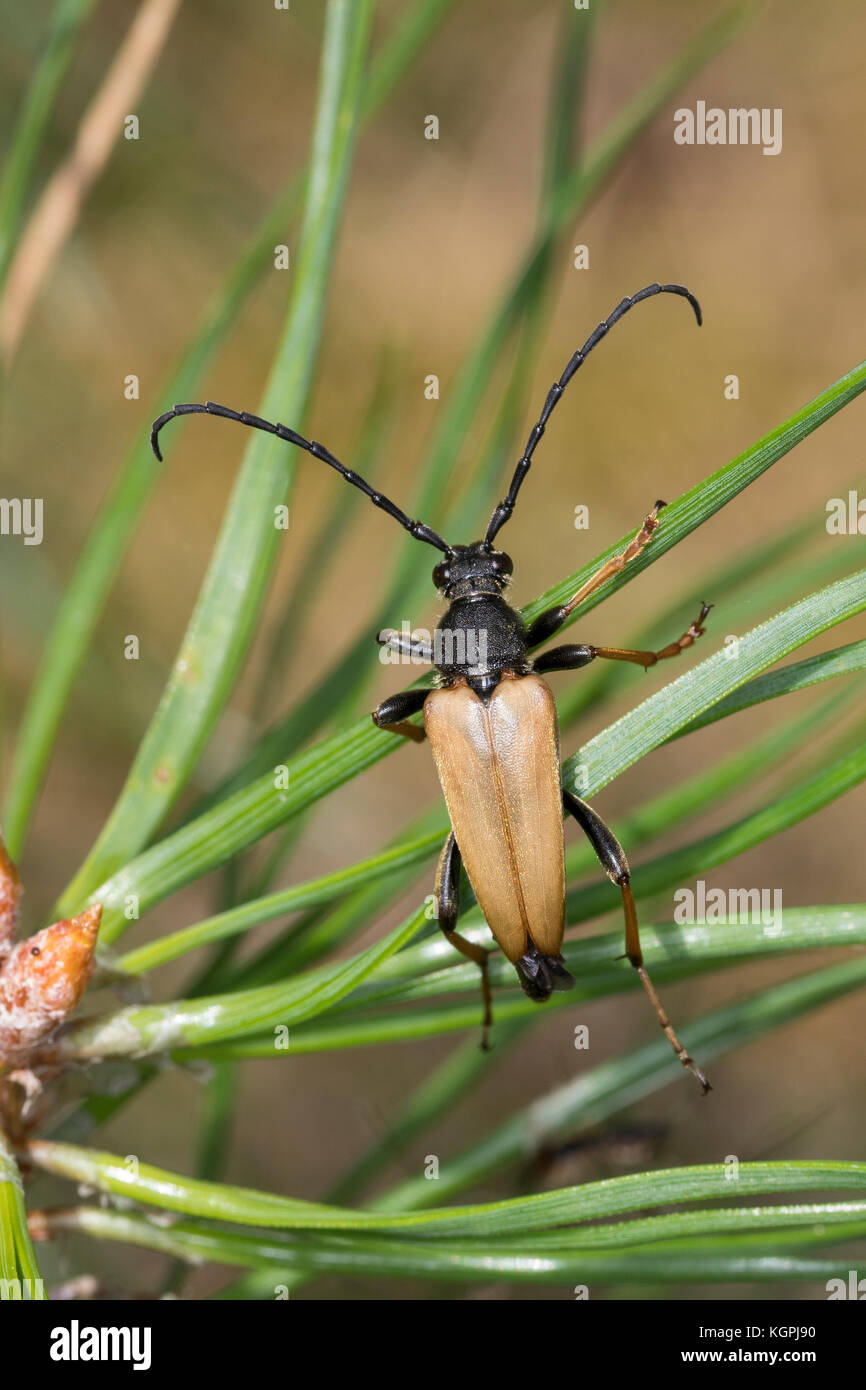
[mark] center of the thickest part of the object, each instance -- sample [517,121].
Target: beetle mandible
[492,724]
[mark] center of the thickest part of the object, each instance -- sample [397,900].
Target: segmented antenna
[255,422]
[506,506]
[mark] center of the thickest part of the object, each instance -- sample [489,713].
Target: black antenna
[255,422]
[506,507]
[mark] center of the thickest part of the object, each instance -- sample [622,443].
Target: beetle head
[472,569]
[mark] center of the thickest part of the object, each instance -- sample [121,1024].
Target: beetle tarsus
[550,621]
[667,1028]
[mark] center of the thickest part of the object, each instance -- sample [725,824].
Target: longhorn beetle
[493,729]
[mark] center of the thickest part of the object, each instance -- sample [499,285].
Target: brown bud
[10,897]
[42,981]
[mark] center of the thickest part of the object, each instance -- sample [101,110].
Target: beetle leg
[612,859]
[567,658]
[570,657]
[647,659]
[393,712]
[448,910]
[548,622]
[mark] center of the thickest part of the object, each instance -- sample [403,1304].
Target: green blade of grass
[671,953]
[193,1020]
[259,910]
[815,1223]
[241,880]
[810,1223]
[477,1266]
[233,590]
[67,21]
[19,1272]
[517,1265]
[799,675]
[612,1197]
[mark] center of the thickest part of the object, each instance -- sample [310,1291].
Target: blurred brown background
[773,247]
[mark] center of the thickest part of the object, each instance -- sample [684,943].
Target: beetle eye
[441,575]
[504,564]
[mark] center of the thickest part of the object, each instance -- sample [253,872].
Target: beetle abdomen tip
[540,975]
